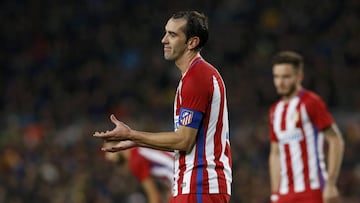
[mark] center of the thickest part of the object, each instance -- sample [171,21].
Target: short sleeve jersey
[200,103]
[146,162]
[297,127]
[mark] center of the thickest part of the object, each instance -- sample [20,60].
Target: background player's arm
[335,156]
[151,190]
[274,166]
[335,153]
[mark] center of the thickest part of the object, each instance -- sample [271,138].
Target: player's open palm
[119,133]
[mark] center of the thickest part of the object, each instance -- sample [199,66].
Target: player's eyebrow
[171,32]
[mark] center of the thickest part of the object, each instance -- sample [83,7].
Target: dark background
[66,65]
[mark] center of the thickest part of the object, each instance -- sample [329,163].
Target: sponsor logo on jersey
[294,135]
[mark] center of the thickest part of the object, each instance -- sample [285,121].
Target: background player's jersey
[200,103]
[297,126]
[146,162]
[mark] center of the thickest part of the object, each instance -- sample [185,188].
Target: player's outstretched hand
[119,146]
[119,133]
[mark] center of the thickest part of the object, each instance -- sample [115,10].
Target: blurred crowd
[66,65]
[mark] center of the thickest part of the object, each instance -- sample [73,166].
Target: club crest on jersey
[294,117]
[186,117]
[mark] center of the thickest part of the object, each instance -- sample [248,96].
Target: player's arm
[335,153]
[335,156]
[151,190]
[183,139]
[274,167]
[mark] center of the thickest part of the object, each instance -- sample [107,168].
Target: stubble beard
[168,56]
[290,92]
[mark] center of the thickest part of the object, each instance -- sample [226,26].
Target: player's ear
[301,76]
[193,42]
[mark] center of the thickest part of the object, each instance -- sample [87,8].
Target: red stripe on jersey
[136,160]
[177,97]
[283,117]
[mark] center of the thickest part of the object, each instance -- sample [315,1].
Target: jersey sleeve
[139,166]
[272,135]
[196,96]
[319,114]
[196,93]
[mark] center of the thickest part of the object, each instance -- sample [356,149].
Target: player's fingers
[110,149]
[114,119]
[97,134]
[104,135]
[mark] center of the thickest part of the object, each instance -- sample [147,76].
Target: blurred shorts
[314,196]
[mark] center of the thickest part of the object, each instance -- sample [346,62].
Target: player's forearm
[274,169]
[152,193]
[168,141]
[336,150]
[335,153]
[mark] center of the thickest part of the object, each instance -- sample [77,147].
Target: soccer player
[299,124]
[152,168]
[202,164]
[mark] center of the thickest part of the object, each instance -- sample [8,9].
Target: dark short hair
[289,57]
[197,25]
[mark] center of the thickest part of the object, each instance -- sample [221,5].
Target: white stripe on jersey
[176,173]
[159,171]
[156,156]
[224,159]
[213,182]
[277,116]
[284,183]
[189,160]
[277,128]
[295,148]
[209,143]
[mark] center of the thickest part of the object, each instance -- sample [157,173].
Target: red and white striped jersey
[146,162]
[200,103]
[297,127]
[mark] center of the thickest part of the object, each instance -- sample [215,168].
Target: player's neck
[292,95]
[184,62]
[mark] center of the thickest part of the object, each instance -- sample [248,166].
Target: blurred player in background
[152,168]
[202,166]
[299,124]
